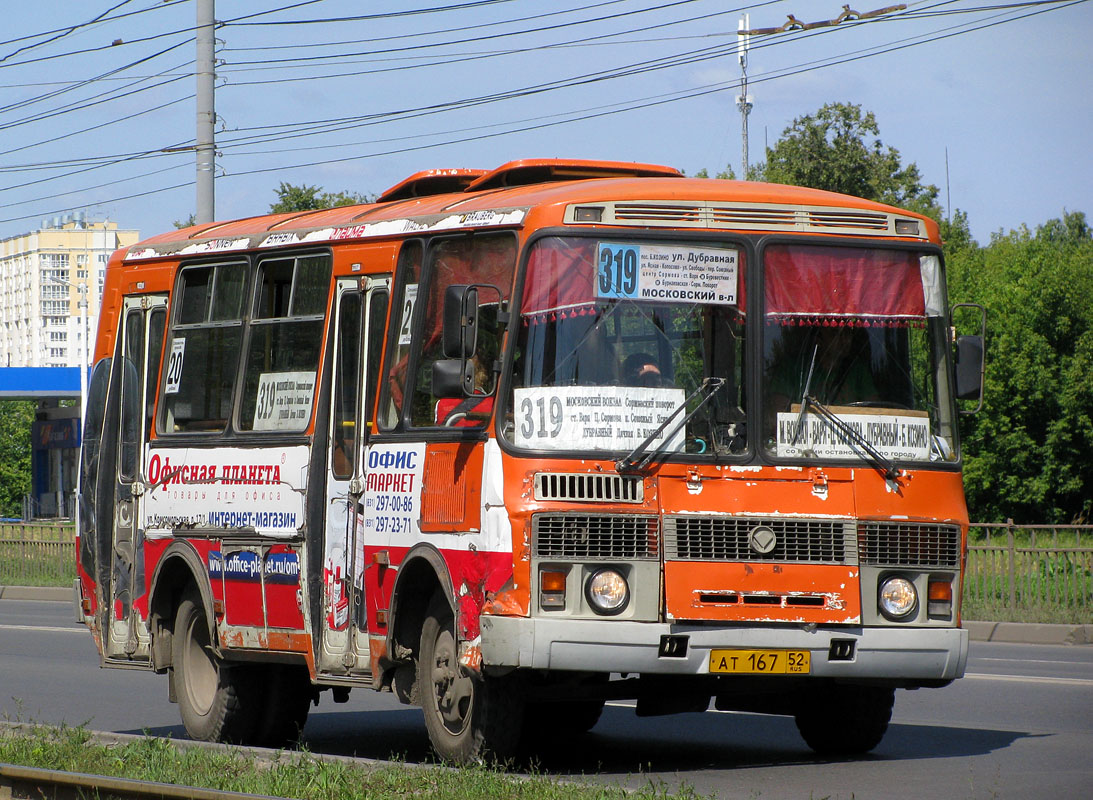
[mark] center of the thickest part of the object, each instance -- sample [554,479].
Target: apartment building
[42,278]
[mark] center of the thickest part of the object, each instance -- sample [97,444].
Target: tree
[1027,452]
[308,198]
[16,419]
[185,223]
[830,150]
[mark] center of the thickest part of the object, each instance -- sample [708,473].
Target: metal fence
[37,553]
[1011,568]
[1025,567]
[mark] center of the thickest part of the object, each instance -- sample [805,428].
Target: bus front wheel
[845,720]
[211,694]
[470,718]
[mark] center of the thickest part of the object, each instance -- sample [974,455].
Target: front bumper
[926,654]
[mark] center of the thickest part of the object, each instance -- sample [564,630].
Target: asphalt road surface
[1020,725]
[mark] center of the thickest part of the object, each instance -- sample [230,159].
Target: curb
[55,593]
[1029,633]
[1007,632]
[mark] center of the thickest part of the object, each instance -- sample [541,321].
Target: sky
[992,100]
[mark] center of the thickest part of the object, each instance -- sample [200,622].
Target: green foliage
[185,223]
[1027,452]
[16,418]
[755,173]
[832,150]
[308,198]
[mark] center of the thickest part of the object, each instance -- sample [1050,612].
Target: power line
[157,7]
[316,127]
[926,38]
[60,34]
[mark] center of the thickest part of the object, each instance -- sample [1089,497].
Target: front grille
[595,536]
[588,487]
[909,544]
[704,538]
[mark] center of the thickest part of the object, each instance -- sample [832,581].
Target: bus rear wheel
[845,720]
[212,695]
[470,718]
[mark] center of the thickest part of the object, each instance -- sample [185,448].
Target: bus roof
[447,199]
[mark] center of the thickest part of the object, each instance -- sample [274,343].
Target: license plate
[761,662]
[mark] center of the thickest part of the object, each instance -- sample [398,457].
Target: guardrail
[1019,570]
[37,553]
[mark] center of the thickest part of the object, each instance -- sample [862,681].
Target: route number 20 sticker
[174,366]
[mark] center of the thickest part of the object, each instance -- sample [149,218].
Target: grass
[292,774]
[37,554]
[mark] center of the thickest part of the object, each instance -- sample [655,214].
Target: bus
[514,443]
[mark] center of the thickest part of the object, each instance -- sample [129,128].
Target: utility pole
[206,112]
[743,42]
[743,100]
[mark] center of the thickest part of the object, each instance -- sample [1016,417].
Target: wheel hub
[452,688]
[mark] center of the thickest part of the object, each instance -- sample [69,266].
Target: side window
[402,322]
[377,316]
[286,333]
[203,350]
[94,420]
[346,380]
[156,323]
[482,260]
[130,392]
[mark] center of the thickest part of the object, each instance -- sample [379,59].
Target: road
[1020,725]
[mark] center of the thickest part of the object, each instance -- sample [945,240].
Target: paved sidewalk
[1011,632]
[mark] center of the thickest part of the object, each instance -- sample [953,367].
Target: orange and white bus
[514,443]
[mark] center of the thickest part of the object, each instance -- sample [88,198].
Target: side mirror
[969,360]
[453,377]
[460,337]
[969,367]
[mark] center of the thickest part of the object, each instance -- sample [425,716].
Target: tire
[284,714]
[845,720]
[470,718]
[212,695]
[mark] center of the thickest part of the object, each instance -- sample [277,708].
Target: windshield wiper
[849,434]
[640,457]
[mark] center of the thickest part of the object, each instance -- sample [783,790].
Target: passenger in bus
[641,369]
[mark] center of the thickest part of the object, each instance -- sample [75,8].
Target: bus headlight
[898,598]
[607,592]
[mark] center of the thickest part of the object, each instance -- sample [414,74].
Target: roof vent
[431,181]
[548,170]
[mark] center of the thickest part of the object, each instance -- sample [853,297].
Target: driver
[641,369]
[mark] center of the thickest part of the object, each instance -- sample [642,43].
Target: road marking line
[1028,660]
[46,629]
[1030,679]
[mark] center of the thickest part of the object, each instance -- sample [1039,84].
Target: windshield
[614,337]
[862,333]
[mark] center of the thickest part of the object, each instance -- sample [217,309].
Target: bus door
[361,312]
[140,346]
